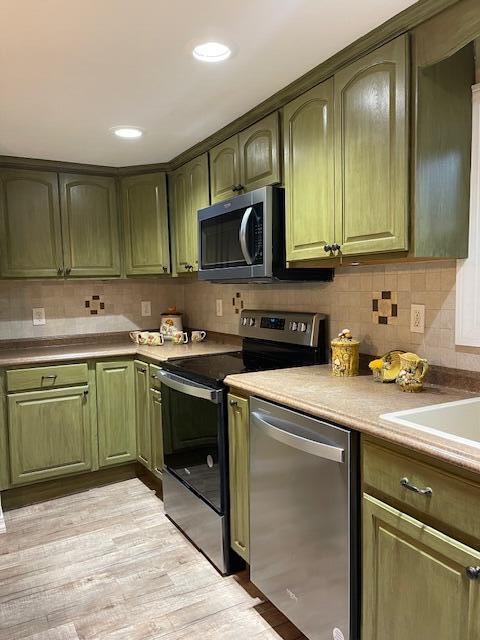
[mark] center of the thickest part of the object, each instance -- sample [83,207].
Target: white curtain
[467,320]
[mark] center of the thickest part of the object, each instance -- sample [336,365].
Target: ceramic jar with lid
[171,323]
[345,354]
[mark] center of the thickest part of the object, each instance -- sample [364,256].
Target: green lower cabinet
[415,583]
[142,414]
[157,434]
[239,447]
[49,433]
[115,413]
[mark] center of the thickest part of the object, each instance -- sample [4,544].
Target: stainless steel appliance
[195,480]
[304,519]
[243,240]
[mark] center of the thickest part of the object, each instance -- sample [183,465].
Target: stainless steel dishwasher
[304,519]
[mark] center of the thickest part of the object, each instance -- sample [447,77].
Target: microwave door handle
[314,447]
[242,235]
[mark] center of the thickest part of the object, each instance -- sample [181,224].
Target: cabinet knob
[68,271]
[59,271]
[327,248]
[473,573]
[240,187]
[336,247]
[233,403]
[165,269]
[233,187]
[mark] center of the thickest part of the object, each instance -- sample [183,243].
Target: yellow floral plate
[386,368]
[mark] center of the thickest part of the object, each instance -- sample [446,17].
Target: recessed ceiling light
[211,52]
[127,132]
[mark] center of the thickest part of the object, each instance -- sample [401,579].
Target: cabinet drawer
[454,501]
[47,377]
[154,381]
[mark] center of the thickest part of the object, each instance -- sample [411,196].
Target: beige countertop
[358,403]
[22,356]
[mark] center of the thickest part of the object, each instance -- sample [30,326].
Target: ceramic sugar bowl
[413,370]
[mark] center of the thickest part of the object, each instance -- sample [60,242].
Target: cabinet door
[414,579]
[309,173]
[239,444]
[371,151]
[30,233]
[89,225]
[142,414]
[199,197]
[179,189]
[224,169]
[157,434]
[145,218]
[49,434]
[260,154]
[115,413]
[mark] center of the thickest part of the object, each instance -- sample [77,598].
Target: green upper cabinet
[90,225]
[259,147]
[371,151]
[309,173]
[415,583]
[115,412]
[145,224]
[246,161]
[142,411]
[30,232]
[49,433]
[224,170]
[189,189]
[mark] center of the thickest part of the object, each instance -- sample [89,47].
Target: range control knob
[244,321]
[302,326]
[293,326]
[252,322]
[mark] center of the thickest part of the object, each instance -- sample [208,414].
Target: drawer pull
[473,573]
[427,491]
[50,377]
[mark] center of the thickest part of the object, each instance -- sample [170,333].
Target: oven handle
[283,435]
[242,235]
[189,387]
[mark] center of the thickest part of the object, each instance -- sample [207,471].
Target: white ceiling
[71,70]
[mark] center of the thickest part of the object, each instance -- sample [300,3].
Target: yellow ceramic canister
[345,352]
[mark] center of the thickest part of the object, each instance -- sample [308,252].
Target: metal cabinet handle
[426,491]
[53,376]
[327,248]
[473,573]
[336,247]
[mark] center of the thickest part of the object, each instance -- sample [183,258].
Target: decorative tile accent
[385,307]
[237,302]
[95,305]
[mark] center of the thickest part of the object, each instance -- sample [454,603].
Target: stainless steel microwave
[243,240]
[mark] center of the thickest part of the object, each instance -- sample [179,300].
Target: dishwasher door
[303,519]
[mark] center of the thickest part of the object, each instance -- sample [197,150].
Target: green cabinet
[246,161]
[371,151]
[415,581]
[189,190]
[145,224]
[157,433]
[49,433]
[142,414]
[309,173]
[30,229]
[90,225]
[115,412]
[239,472]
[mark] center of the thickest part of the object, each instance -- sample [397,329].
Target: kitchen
[202,293]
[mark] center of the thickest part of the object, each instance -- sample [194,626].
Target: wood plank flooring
[106,564]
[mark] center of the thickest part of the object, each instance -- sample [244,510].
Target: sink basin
[458,421]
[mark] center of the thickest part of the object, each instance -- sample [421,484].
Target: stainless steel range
[195,484]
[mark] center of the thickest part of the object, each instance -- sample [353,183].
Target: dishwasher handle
[283,435]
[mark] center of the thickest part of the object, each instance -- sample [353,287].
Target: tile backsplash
[80,307]
[373,301]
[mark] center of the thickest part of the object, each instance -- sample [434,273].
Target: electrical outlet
[146,308]
[219,307]
[38,316]
[417,318]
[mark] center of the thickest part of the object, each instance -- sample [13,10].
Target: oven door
[194,442]
[234,237]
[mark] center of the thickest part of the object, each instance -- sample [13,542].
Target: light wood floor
[106,564]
